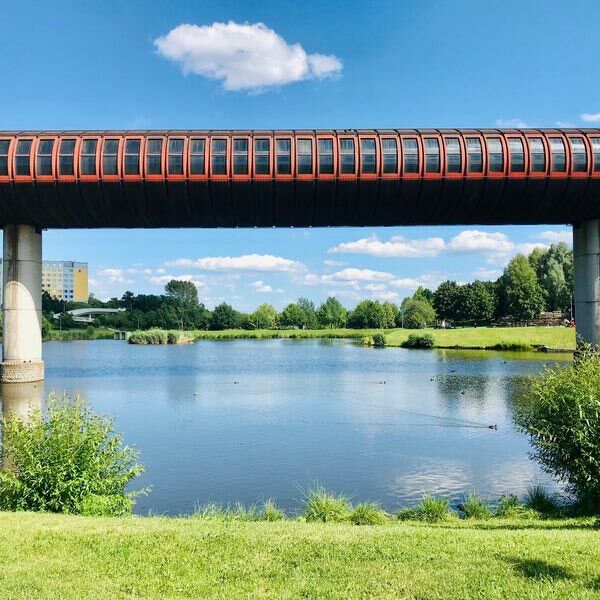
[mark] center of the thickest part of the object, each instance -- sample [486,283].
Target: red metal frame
[517,174]
[284,176]
[589,151]
[67,178]
[263,176]
[11,144]
[354,138]
[589,136]
[537,135]
[479,136]
[558,174]
[163,166]
[463,156]
[32,154]
[188,157]
[248,175]
[96,175]
[142,158]
[332,137]
[56,143]
[505,157]
[369,136]
[120,145]
[440,173]
[219,176]
[312,138]
[420,154]
[396,138]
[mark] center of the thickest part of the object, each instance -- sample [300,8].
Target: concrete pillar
[586,254]
[22,305]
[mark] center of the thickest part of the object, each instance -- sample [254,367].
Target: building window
[368,157]
[4,146]
[219,157]
[176,157]
[66,157]
[132,157]
[22,166]
[495,155]
[153,156]
[262,156]
[88,157]
[411,155]
[474,156]
[579,155]
[304,157]
[110,151]
[537,155]
[389,150]
[197,157]
[346,156]
[517,155]
[284,156]
[453,156]
[326,157]
[559,158]
[240,157]
[595,149]
[432,155]
[44,157]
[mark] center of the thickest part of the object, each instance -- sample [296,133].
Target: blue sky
[95,65]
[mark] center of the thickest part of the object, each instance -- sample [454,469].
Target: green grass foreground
[59,556]
[465,337]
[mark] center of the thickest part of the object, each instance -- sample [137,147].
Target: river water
[244,420]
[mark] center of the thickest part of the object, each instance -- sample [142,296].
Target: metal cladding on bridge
[315,178]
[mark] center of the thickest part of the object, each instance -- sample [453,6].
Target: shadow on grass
[538,569]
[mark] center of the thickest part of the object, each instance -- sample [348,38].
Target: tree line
[541,281]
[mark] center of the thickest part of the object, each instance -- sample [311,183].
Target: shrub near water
[419,340]
[368,513]
[321,505]
[68,460]
[474,507]
[429,509]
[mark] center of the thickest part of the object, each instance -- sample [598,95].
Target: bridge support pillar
[586,256]
[22,305]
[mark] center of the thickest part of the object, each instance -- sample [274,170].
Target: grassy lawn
[57,556]
[468,337]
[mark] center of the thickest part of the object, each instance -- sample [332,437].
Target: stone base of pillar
[17,371]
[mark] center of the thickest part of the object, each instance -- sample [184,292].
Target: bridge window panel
[88,157]
[219,157]
[411,155]
[517,155]
[326,157]
[283,157]
[262,156]
[44,157]
[595,149]
[305,158]
[154,156]
[559,157]
[132,157]
[579,155]
[537,155]
[347,156]
[389,150]
[474,156]
[495,155]
[110,153]
[432,155]
[197,147]
[4,146]
[453,155]
[175,158]
[66,157]
[368,156]
[240,157]
[22,156]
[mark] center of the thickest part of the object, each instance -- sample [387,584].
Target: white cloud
[375,287]
[263,288]
[511,123]
[405,282]
[112,276]
[487,274]
[334,263]
[591,117]
[164,279]
[387,295]
[247,262]
[243,56]
[473,240]
[554,237]
[395,247]
[564,124]
[352,274]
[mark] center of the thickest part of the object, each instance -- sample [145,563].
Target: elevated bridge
[86,315]
[301,178]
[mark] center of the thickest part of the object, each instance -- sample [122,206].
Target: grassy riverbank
[69,335]
[59,556]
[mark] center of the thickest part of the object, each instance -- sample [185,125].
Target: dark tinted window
[559,159]
[153,157]
[474,155]
[367,156]
[346,156]
[495,155]
[44,157]
[109,157]
[240,157]
[132,157]
[411,155]
[596,150]
[22,158]
[579,155]
[432,155]
[453,156]
[4,146]
[326,157]
[88,157]
[262,156]
[389,150]
[175,158]
[304,148]
[197,157]
[517,155]
[283,156]
[219,157]
[537,155]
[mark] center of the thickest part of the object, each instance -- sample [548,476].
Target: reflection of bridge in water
[308,178]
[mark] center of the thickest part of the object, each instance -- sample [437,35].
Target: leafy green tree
[331,313]
[391,313]
[417,314]
[523,296]
[223,317]
[367,314]
[310,313]
[264,317]
[293,316]
[476,302]
[423,293]
[183,296]
[446,301]
[555,275]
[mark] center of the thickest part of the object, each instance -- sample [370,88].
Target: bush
[542,502]
[320,505]
[69,460]
[474,507]
[417,340]
[560,412]
[509,506]
[368,513]
[429,509]
[367,340]
[379,340]
[271,512]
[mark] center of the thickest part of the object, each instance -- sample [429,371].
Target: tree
[523,296]
[417,314]
[555,275]
[293,316]
[445,300]
[423,293]
[476,302]
[223,317]
[183,296]
[367,314]
[310,314]
[264,317]
[331,313]
[391,313]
